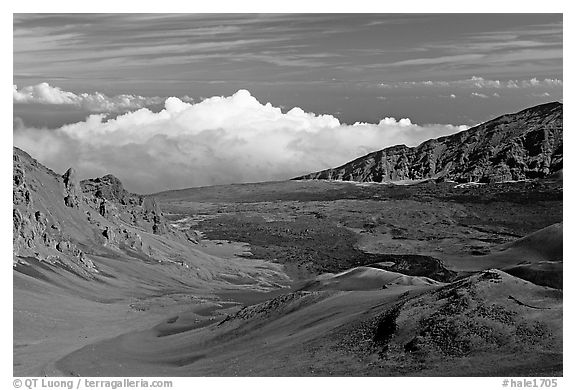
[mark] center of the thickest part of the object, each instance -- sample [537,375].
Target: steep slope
[544,245]
[486,324]
[524,145]
[490,323]
[49,220]
[365,279]
[56,222]
[59,221]
[91,260]
[537,257]
[107,195]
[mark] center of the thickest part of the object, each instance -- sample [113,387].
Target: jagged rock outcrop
[73,193]
[107,209]
[153,214]
[110,188]
[524,145]
[108,197]
[150,205]
[21,193]
[108,233]
[36,215]
[64,222]
[132,240]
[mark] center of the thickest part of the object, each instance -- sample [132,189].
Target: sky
[168,101]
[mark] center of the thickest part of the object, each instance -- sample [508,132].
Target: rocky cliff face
[524,145]
[72,186]
[46,217]
[61,220]
[108,197]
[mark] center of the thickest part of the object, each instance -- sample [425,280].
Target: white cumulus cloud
[220,140]
[44,93]
[479,83]
[479,95]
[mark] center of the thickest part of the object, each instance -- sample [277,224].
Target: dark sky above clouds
[452,69]
[322,63]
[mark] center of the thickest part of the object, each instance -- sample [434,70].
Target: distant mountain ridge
[523,145]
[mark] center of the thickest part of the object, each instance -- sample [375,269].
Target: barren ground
[258,242]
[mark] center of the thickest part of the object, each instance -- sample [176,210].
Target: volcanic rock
[72,186]
[44,227]
[524,145]
[107,196]
[108,233]
[107,187]
[21,193]
[152,212]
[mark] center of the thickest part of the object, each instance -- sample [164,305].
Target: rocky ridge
[37,228]
[524,145]
[57,218]
[107,196]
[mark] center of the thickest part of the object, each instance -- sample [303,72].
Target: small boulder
[108,233]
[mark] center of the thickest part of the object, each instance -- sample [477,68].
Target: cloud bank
[44,93]
[479,83]
[220,140]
